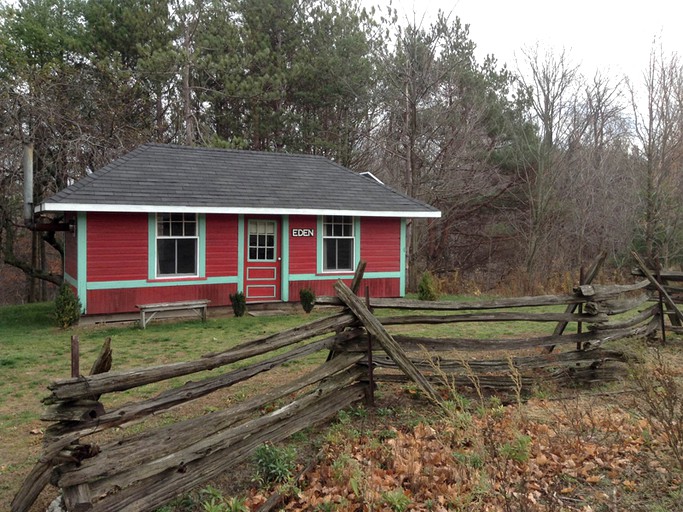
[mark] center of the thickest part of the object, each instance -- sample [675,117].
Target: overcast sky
[615,36]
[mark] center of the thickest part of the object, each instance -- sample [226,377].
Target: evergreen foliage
[307,298]
[68,307]
[239,303]
[506,158]
[428,288]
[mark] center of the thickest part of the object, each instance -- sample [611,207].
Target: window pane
[163,224]
[262,240]
[252,253]
[270,240]
[330,254]
[166,256]
[177,229]
[190,229]
[270,253]
[345,254]
[187,256]
[252,240]
[261,253]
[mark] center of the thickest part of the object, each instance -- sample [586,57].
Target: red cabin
[171,223]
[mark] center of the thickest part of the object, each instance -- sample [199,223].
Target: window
[338,243]
[262,240]
[176,244]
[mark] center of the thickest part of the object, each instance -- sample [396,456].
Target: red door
[262,260]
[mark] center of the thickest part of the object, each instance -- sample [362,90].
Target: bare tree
[439,128]
[659,134]
[552,83]
[598,191]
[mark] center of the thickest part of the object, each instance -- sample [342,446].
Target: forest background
[536,172]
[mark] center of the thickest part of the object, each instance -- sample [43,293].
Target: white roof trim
[368,174]
[146,208]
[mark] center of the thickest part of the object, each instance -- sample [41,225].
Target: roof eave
[146,208]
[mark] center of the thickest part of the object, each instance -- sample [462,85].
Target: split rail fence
[144,470]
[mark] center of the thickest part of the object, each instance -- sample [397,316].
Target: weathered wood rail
[142,471]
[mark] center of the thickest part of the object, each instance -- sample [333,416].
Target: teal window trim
[82,260]
[159,283]
[152,249]
[284,263]
[240,253]
[348,275]
[319,251]
[356,242]
[402,256]
[70,280]
[201,245]
[152,246]
[356,247]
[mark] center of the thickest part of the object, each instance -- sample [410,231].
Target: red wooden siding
[221,245]
[381,244]
[117,246]
[303,249]
[124,300]
[386,287]
[71,251]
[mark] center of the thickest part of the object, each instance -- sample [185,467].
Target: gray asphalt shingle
[165,176]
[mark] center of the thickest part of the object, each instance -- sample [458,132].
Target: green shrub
[396,499]
[67,307]
[239,303]
[307,298]
[274,464]
[428,288]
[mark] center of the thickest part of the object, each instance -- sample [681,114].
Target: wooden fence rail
[143,471]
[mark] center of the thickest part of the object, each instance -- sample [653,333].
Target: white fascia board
[136,208]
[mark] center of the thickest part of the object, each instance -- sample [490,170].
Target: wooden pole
[579,325]
[358,276]
[75,358]
[371,369]
[665,296]
[662,321]
[592,273]
[388,343]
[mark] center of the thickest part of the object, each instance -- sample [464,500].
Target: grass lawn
[33,353]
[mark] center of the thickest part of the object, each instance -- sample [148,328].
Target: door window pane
[262,240]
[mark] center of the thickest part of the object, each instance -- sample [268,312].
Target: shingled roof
[170,178]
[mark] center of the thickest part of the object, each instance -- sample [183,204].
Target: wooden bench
[149,311]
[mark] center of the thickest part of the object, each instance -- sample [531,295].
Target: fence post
[75,358]
[662,320]
[579,325]
[371,377]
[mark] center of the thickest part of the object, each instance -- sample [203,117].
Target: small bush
[274,464]
[396,500]
[239,303]
[67,307]
[659,400]
[428,288]
[307,298]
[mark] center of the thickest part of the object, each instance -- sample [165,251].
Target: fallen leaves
[444,466]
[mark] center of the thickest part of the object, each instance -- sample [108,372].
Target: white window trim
[275,252]
[158,237]
[355,232]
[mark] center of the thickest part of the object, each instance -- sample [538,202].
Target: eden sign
[303,232]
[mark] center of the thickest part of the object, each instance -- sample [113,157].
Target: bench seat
[149,311]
